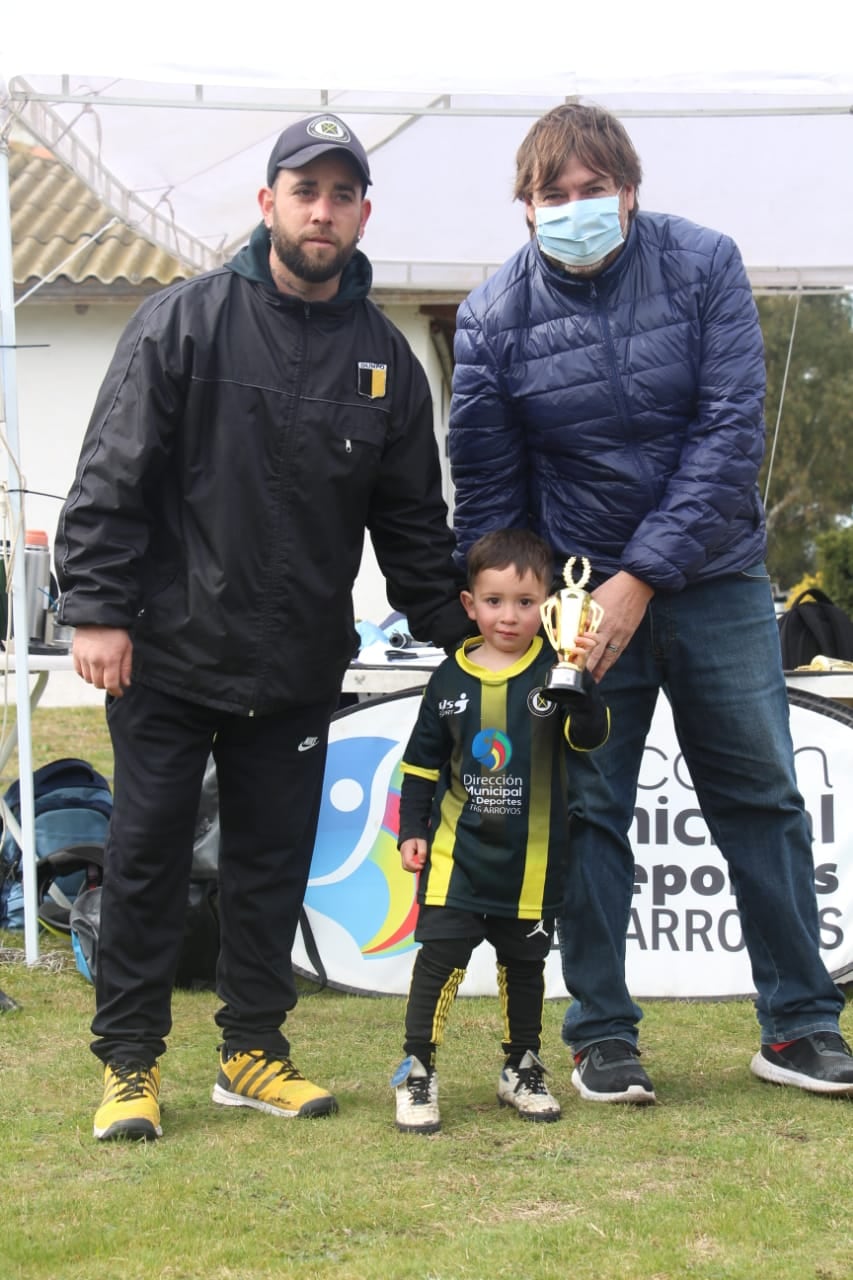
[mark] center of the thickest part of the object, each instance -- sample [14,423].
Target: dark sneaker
[821,1063]
[272,1085]
[130,1107]
[524,1088]
[609,1071]
[416,1092]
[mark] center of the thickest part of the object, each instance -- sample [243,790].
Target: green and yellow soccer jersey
[496,751]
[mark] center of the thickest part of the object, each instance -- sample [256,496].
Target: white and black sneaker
[416,1087]
[524,1088]
[609,1071]
[821,1063]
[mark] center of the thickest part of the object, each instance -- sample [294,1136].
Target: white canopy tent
[744,124]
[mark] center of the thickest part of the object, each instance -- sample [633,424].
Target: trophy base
[563,684]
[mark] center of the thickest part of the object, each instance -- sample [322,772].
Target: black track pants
[270,777]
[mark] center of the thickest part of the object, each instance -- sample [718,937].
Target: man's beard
[292,256]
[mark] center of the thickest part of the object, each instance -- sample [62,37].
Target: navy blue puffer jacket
[620,417]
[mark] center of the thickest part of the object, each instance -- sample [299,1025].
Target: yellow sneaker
[130,1107]
[273,1085]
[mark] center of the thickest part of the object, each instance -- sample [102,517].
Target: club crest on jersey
[372,379]
[539,705]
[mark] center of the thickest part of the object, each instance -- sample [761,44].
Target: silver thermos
[37,573]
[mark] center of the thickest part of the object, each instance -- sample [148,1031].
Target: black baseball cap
[304,141]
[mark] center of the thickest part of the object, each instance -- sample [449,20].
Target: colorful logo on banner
[356,876]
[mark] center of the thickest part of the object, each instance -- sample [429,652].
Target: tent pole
[9,397]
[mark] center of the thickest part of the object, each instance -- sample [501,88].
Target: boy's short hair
[517,547]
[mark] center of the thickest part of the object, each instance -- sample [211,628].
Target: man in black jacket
[254,422]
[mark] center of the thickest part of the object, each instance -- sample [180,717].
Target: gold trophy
[567,614]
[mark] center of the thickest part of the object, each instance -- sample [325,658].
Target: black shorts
[436,923]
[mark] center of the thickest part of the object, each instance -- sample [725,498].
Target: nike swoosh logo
[307,744]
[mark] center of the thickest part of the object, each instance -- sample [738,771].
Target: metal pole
[9,398]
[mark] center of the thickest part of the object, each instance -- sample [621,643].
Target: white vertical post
[9,402]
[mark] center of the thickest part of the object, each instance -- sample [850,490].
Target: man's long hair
[592,134]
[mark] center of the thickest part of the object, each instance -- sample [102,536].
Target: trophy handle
[596,616]
[547,612]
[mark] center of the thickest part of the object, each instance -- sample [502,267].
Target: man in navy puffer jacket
[608,394]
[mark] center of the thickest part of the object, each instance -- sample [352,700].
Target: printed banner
[684,938]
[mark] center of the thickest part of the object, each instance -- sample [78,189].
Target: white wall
[62,357]
[63,354]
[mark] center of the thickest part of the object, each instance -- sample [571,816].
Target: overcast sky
[480,45]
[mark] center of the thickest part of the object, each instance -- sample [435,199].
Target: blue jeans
[714,650]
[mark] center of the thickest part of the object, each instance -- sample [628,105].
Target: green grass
[64,731]
[726,1179]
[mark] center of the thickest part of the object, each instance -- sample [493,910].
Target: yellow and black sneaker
[273,1085]
[130,1106]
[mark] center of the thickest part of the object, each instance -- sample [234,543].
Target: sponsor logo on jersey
[453,706]
[492,749]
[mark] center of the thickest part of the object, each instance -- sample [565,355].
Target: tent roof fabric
[184,170]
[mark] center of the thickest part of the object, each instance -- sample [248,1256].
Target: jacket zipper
[306,312]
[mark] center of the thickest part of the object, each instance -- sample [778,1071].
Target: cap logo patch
[372,379]
[327,129]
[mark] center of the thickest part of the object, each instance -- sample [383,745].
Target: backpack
[812,627]
[63,878]
[72,804]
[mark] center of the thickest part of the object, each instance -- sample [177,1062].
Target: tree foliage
[835,557]
[810,465]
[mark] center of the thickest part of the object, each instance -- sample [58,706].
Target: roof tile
[54,215]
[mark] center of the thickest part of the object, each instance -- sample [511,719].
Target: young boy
[484,820]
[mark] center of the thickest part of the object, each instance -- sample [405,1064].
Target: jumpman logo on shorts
[539,927]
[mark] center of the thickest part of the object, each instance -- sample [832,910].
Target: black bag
[199,949]
[84,921]
[812,627]
[63,876]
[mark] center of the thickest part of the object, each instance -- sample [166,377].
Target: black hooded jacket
[240,444]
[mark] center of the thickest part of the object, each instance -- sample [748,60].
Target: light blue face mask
[580,233]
